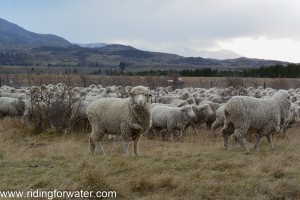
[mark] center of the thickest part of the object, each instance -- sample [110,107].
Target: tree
[122,66]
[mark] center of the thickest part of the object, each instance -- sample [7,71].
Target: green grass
[198,168]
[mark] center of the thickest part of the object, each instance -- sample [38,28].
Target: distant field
[18,80]
[198,168]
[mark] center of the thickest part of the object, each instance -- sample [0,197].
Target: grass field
[18,80]
[197,168]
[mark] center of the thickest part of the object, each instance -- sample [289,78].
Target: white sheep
[292,119]
[266,116]
[220,118]
[171,118]
[129,117]
[11,106]
[214,107]
[202,113]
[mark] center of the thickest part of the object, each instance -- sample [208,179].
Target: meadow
[197,168]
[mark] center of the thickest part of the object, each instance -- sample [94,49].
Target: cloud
[162,24]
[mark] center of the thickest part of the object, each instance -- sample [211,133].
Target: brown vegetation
[198,168]
[17,80]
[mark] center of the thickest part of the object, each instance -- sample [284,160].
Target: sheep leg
[257,141]
[214,126]
[239,134]
[136,145]
[160,135]
[270,140]
[95,138]
[181,135]
[171,134]
[226,132]
[126,145]
[195,128]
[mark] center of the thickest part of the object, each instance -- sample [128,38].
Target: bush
[52,107]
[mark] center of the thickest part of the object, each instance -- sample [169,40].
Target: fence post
[211,84]
[264,85]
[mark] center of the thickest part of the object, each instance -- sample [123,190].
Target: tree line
[290,70]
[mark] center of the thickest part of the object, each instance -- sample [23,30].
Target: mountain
[14,35]
[220,54]
[92,45]
[19,47]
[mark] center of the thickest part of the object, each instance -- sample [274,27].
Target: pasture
[197,168]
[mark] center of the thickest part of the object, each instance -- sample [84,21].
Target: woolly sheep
[220,118]
[79,111]
[202,113]
[171,118]
[11,106]
[129,117]
[214,107]
[292,119]
[248,113]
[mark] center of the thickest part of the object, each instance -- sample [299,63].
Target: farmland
[197,168]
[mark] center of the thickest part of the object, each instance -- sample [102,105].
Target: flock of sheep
[133,111]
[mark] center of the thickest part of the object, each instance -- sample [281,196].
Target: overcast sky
[267,29]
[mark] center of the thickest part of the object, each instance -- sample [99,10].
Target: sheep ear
[131,93]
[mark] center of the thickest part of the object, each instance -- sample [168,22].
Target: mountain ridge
[14,35]
[22,48]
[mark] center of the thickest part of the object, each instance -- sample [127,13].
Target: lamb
[266,116]
[11,106]
[129,117]
[171,118]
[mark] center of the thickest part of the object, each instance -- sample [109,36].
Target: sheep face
[207,109]
[188,111]
[140,96]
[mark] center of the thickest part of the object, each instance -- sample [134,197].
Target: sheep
[11,106]
[293,118]
[220,118]
[249,113]
[129,117]
[202,113]
[214,107]
[161,104]
[179,102]
[169,98]
[171,118]
[79,111]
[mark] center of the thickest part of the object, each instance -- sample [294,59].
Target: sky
[268,29]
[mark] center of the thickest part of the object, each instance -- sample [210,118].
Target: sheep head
[187,111]
[140,96]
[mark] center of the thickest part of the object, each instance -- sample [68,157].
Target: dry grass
[198,168]
[17,80]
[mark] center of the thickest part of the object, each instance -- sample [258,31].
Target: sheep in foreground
[129,117]
[11,106]
[266,116]
[171,118]
[202,113]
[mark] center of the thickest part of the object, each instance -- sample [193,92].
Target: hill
[14,35]
[19,47]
